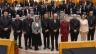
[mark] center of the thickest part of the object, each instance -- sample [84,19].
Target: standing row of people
[85,26]
[50,29]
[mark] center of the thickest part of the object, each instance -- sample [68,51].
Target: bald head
[55,16]
[28,16]
[74,16]
[17,17]
[45,16]
[91,13]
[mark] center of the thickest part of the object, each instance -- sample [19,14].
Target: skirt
[36,40]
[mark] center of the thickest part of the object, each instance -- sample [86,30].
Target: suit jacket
[5,23]
[54,10]
[27,25]
[25,12]
[26,4]
[45,25]
[36,28]
[17,25]
[74,25]
[54,25]
[19,12]
[36,11]
[42,11]
[22,4]
[49,7]
[13,13]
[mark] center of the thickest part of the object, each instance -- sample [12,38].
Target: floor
[41,51]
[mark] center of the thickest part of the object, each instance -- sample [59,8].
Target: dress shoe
[20,47]
[26,48]
[48,47]
[57,49]
[52,49]
[36,48]
[30,47]
[44,48]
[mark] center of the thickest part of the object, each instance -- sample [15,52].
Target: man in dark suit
[54,30]
[26,11]
[19,12]
[39,8]
[22,4]
[49,7]
[5,25]
[92,23]
[74,28]
[17,27]
[26,3]
[54,10]
[42,12]
[27,31]
[36,10]
[45,31]
[13,13]
[52,2]
[71,4]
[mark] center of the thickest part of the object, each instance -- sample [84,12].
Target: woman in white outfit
[83,28]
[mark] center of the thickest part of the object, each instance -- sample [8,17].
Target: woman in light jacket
[36,29]
[83,28]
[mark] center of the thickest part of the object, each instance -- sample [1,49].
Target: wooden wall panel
[81,44]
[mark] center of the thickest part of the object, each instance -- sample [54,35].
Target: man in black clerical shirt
[17,27]
[5,26]
[45,31]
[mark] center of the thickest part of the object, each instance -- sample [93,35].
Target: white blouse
[37,24]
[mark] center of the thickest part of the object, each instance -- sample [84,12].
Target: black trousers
[74,36]
[46,38]
[49,13]
[91,34]
[42,16]
[27,38]
[54,35]
[18,36]
[5,34]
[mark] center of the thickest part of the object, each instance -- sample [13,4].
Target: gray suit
[35,28]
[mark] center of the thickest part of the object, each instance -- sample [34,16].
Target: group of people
[50,27]
[40,8]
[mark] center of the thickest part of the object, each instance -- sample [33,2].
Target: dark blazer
[22,4]
[42,11]
[54,26]
[74,25]
[54,10]
[91,21]
[49,7]
[13,13]
[36,11]
[26,4]
[19,12]
[45,25]
[6,23]
[27,25]
[67,10]
[17,25]
[25,12]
